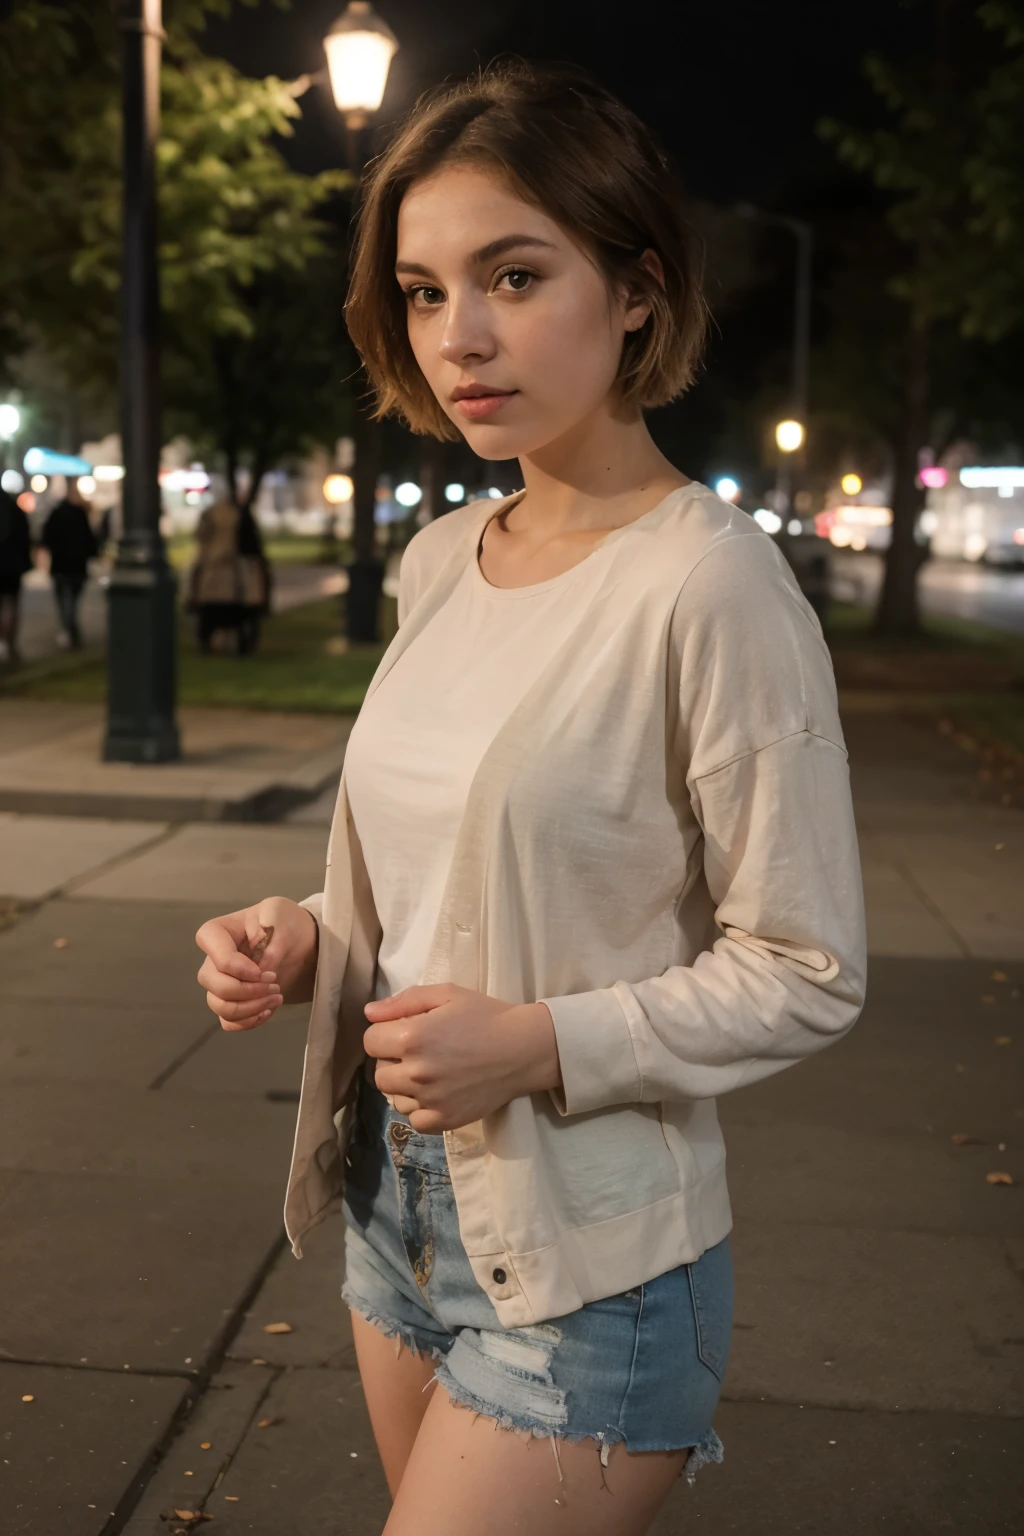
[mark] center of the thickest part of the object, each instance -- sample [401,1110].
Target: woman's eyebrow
[485,253]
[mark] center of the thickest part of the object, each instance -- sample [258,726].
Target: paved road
[874,1384]
[949,589]
[294,585]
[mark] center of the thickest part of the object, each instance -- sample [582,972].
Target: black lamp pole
[141,727]
[366,572]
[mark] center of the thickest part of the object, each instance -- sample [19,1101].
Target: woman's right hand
[256,959]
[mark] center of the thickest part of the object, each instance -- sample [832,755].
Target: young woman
[593,860]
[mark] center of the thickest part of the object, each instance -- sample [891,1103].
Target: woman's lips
[475,407]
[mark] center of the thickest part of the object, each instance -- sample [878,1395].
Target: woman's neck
[610,473]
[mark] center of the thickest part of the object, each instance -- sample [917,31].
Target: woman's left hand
[447,1056]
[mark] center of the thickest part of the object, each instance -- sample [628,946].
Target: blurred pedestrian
[15,561]
[229,584]
[67,534]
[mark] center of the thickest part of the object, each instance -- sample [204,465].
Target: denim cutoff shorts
[643,1368]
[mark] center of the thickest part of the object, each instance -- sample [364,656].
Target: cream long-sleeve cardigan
[659,844]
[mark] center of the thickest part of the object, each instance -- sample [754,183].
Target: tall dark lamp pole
[141,727]
[803,233]
[359,48]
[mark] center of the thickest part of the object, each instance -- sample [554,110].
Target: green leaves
[951,157]
[231,208]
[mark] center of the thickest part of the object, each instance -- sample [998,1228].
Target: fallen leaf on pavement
[257,1360]
[204,1445]
[185,1514]
[277,1328]
[1004,1039]
[60,943]
[987,997]
[232,1498]
[965,1139]
[999,1178]
[999,976]
[29,1397]
[1000,847]
[266,1423]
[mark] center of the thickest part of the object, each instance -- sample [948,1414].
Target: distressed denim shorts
[643,1368]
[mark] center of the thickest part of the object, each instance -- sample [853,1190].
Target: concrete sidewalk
[236,765]
[875,1382]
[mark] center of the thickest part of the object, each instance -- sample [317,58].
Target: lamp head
[359,48]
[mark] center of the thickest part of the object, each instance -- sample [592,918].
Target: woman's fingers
[220,938]
[241,1015]
[227,986]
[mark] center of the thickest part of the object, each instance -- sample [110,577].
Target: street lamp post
[141,727]
[359,49]
[803,233]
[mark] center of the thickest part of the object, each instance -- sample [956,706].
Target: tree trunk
[897,612]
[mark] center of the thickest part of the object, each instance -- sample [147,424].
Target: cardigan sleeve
[755,732]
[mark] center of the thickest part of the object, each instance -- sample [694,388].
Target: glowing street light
[408,494]
[789,435]
[770,521]
[337,488]
[10,421]
[852,485]
[359,48]
[454,492]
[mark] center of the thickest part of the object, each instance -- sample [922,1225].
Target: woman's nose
[466,332]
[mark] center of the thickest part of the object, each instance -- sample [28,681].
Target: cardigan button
[499,1276]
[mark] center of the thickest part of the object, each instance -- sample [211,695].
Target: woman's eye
[412,294]
[516,272]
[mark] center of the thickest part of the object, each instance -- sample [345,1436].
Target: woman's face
[498,295]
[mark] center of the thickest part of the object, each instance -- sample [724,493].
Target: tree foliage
[951,157]
[236,222]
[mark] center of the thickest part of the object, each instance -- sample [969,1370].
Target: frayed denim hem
[404,1335]
[709,1448]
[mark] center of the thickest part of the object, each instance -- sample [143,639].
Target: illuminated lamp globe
[338,488]
[727,488]
[455,492]
[87,485]
[789,435]
[408,494]
[39,483]
[359,49]
[10,420]
[852,485]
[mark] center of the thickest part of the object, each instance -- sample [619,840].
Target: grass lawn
[280,548]
[967,673]
[300,665]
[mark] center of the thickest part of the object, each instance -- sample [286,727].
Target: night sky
[733,88]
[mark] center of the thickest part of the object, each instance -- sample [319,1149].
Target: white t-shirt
[418,741]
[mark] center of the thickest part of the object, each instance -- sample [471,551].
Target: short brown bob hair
[563,143]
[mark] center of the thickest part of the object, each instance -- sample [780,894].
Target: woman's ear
[638,306]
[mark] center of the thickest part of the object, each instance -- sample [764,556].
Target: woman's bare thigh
[465,1477]
[395,1383]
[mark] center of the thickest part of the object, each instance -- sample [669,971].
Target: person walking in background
[229,584]
[67,534]
[15,562]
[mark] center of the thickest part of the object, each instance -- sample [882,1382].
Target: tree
[236,223]
[952,145]
[274,389]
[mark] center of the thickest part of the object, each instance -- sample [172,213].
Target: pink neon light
[934,477]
